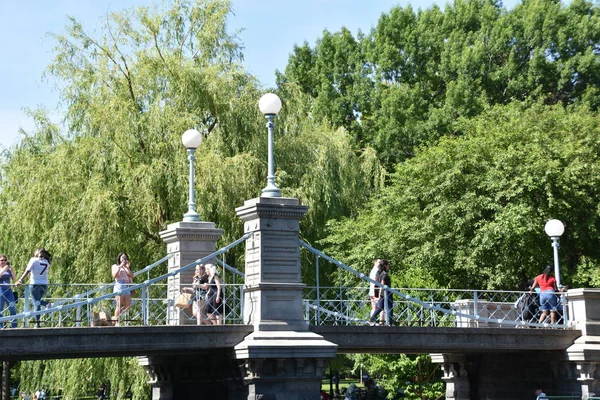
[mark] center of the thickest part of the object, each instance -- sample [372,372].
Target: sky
[271,28]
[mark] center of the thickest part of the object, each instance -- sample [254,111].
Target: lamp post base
[191,216]
[271,191]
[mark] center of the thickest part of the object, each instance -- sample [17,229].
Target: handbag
[183,301]
[200,294]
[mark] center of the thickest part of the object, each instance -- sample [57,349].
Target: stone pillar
[5,394]
[189,241]
[455,375]
[281,358]
[208,375]
[589,379]
[584,314]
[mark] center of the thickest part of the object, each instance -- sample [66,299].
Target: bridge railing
[339,305]
[150,306]
[81,305]
[420,307]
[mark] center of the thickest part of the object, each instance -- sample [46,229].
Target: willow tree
[115,173]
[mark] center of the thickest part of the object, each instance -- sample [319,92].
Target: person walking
[548,300]
[38,267]
[374,289]
[121,272]
[382,303]
[7,296]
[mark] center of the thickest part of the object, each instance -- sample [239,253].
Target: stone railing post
[281,357]
[189,241]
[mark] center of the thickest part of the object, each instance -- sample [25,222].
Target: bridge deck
[52,343]
[418,340]
[55,343]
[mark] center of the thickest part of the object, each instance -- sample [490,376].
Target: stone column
[589,379]
[455,375]
[208,375]
[5,394]
[584,314]
[281,358]
[189,241]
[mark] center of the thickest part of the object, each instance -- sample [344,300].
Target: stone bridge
[279,356]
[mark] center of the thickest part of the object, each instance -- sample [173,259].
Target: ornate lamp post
[270,105]
[554,228]
[191,139]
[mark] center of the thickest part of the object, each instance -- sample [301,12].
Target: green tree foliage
[117,174]
[415,375]
[469,212]
[407,82]
[78,378]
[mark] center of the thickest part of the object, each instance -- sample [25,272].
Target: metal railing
[564,397]
[342,305]
[78,305]
[154,304]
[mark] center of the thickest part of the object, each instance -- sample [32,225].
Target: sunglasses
[4,259]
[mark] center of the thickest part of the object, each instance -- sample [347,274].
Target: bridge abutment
[282,359]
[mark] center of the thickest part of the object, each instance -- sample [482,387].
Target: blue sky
[271,28]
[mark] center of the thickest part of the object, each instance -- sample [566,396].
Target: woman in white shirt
[38,268]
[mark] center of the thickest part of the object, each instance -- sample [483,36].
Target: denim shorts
[120,286]
[548,301]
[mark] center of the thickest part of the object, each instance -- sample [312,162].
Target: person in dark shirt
[384,279]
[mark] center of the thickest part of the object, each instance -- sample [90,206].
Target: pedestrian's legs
[390,310]
[7,298]
[37,293]
[378,309]
[10,297]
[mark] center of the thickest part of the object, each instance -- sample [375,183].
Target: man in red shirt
[548,289]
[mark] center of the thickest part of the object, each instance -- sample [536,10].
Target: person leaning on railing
[7,296]
[38,267]
[548,300]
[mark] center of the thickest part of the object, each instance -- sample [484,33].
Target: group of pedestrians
[37,269]
[381,300]
[207,295]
